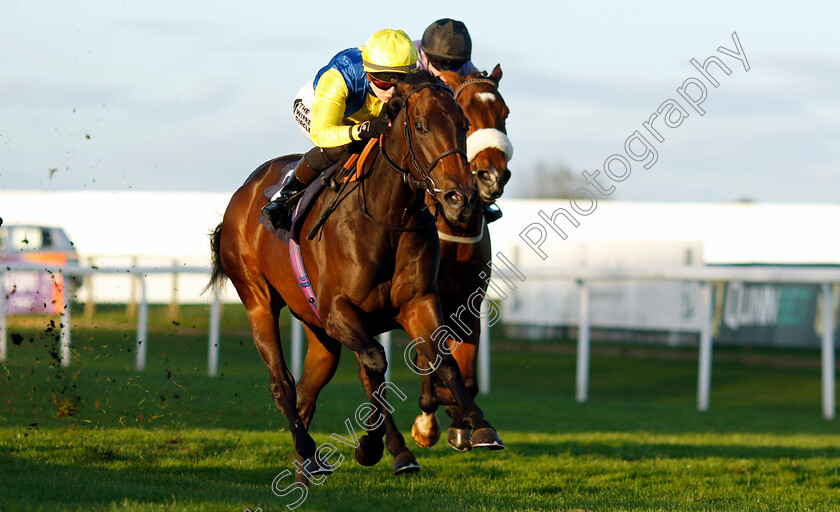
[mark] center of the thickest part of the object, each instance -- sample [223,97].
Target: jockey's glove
[375,127]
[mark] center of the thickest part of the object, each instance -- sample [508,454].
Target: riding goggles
[383,82]
[442,65]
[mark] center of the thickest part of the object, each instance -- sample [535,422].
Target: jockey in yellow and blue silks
[342,106]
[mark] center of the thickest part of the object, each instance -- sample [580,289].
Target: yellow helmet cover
[389,51]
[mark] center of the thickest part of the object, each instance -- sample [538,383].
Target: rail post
[297,348]
[142,326]
[484,349]
[174,307]
[704,368]
[828,351]
[213,342]
[385,340]
[65,322]
[582,380]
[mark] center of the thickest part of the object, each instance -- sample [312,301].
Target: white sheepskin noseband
[484,138]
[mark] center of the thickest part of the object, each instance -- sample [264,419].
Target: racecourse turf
[100,435]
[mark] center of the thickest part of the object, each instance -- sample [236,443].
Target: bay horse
[373,266]
[466,251]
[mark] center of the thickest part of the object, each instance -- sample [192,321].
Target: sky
[192,96]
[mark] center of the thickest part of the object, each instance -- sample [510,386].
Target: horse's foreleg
[421,319]
[459,431]
[344,323]
[434,394]
[404,460]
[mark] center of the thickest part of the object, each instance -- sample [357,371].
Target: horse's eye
[418,125]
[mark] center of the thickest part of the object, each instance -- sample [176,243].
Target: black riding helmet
[447,40]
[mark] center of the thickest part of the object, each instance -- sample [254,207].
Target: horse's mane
[415,79]
[419,77]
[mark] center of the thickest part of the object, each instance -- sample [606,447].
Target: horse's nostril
[454,198]
[486,177]
[505,177]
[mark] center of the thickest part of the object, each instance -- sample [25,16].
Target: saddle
[334,178]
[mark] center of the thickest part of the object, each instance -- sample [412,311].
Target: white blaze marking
[486,96]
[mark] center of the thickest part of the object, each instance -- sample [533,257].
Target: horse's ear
[395,104]
[451,78]
[496,75]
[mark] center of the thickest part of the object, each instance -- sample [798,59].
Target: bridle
[503,141]
[473,81]
[421,176]
[418,175]
[499,141]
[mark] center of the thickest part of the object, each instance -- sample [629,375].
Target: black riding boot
[279,211]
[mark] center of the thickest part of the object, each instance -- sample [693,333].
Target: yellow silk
[329,127]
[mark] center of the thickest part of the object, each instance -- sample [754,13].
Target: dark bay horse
[466,251]
[373,267]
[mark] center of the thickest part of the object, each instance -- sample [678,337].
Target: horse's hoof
[459,438]
[405,463]
[486,437]
[317,466]
[369,451]
[313,468]
[426,430]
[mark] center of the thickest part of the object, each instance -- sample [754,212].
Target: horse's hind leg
[263,304]
[404,460]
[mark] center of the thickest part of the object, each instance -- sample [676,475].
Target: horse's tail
[217,274]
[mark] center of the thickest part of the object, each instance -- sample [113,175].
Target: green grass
[101,436]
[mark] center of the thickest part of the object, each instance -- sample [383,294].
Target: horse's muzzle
[491,183]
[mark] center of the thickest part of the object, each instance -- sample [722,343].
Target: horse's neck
[389,198]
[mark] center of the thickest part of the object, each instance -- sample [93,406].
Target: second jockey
[446,46]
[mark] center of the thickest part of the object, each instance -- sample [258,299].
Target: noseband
[485,138]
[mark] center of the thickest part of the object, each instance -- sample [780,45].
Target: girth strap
[302,277]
